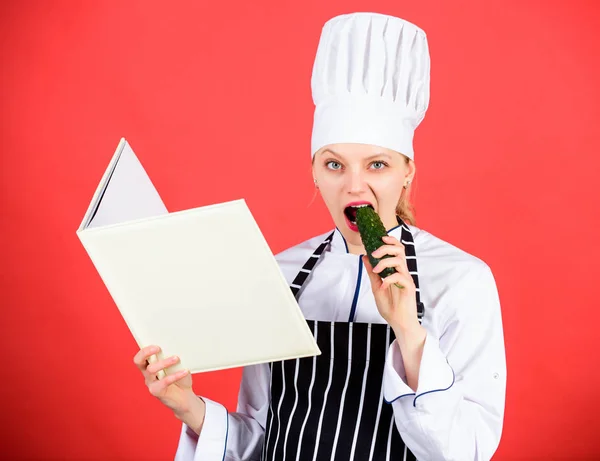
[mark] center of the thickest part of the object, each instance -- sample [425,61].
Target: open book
[201,283]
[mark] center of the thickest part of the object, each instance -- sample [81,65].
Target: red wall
[215,99]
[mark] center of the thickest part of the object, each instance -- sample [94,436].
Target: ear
[411,170]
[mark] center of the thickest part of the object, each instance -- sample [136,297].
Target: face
[352,174]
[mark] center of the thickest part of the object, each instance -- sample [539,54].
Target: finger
[157,388]
[393,240]
[155,367]
[399,284]
[392,250]
[399,278]
[398,262]
[140,359]
[391,246]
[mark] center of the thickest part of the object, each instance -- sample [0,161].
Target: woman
[412,365]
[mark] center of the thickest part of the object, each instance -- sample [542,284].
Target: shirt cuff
[186,448]
[212,441]
[435,373]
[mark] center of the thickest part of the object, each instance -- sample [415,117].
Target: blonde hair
[405,210]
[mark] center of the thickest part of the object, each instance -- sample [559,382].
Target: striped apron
[331,407]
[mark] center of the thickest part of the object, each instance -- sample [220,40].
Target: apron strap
[308,267]
[411,261]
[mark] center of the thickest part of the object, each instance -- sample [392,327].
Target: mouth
[350,213]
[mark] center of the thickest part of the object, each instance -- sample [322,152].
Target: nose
[356,182]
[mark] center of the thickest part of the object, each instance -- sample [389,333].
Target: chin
[350,233]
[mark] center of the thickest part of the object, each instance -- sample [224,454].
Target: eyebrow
[379,154]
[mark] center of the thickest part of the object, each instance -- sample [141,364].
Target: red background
[215,99]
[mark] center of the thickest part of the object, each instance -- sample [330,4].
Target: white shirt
[458,409]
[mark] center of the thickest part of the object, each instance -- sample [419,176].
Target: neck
[356,249]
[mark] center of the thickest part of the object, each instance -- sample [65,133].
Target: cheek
[329,193]
[389,189]
[331,196]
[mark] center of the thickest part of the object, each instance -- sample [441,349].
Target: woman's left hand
[398,306]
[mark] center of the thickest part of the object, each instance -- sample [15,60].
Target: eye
[333,165]
[379,165]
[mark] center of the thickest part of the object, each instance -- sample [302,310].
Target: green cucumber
[371,231]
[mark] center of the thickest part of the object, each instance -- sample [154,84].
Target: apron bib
[331,407]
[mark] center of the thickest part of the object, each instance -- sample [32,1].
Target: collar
[339,244]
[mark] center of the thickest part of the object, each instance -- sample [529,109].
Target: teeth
[359,206]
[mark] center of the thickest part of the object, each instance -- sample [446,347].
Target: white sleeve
[457,412]
[231,436]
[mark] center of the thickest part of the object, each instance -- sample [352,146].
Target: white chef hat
[370,82]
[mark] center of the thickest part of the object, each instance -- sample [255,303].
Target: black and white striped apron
[331,407]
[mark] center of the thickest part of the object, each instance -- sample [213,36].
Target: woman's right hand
[174,390]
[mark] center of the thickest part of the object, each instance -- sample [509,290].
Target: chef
[412,364]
